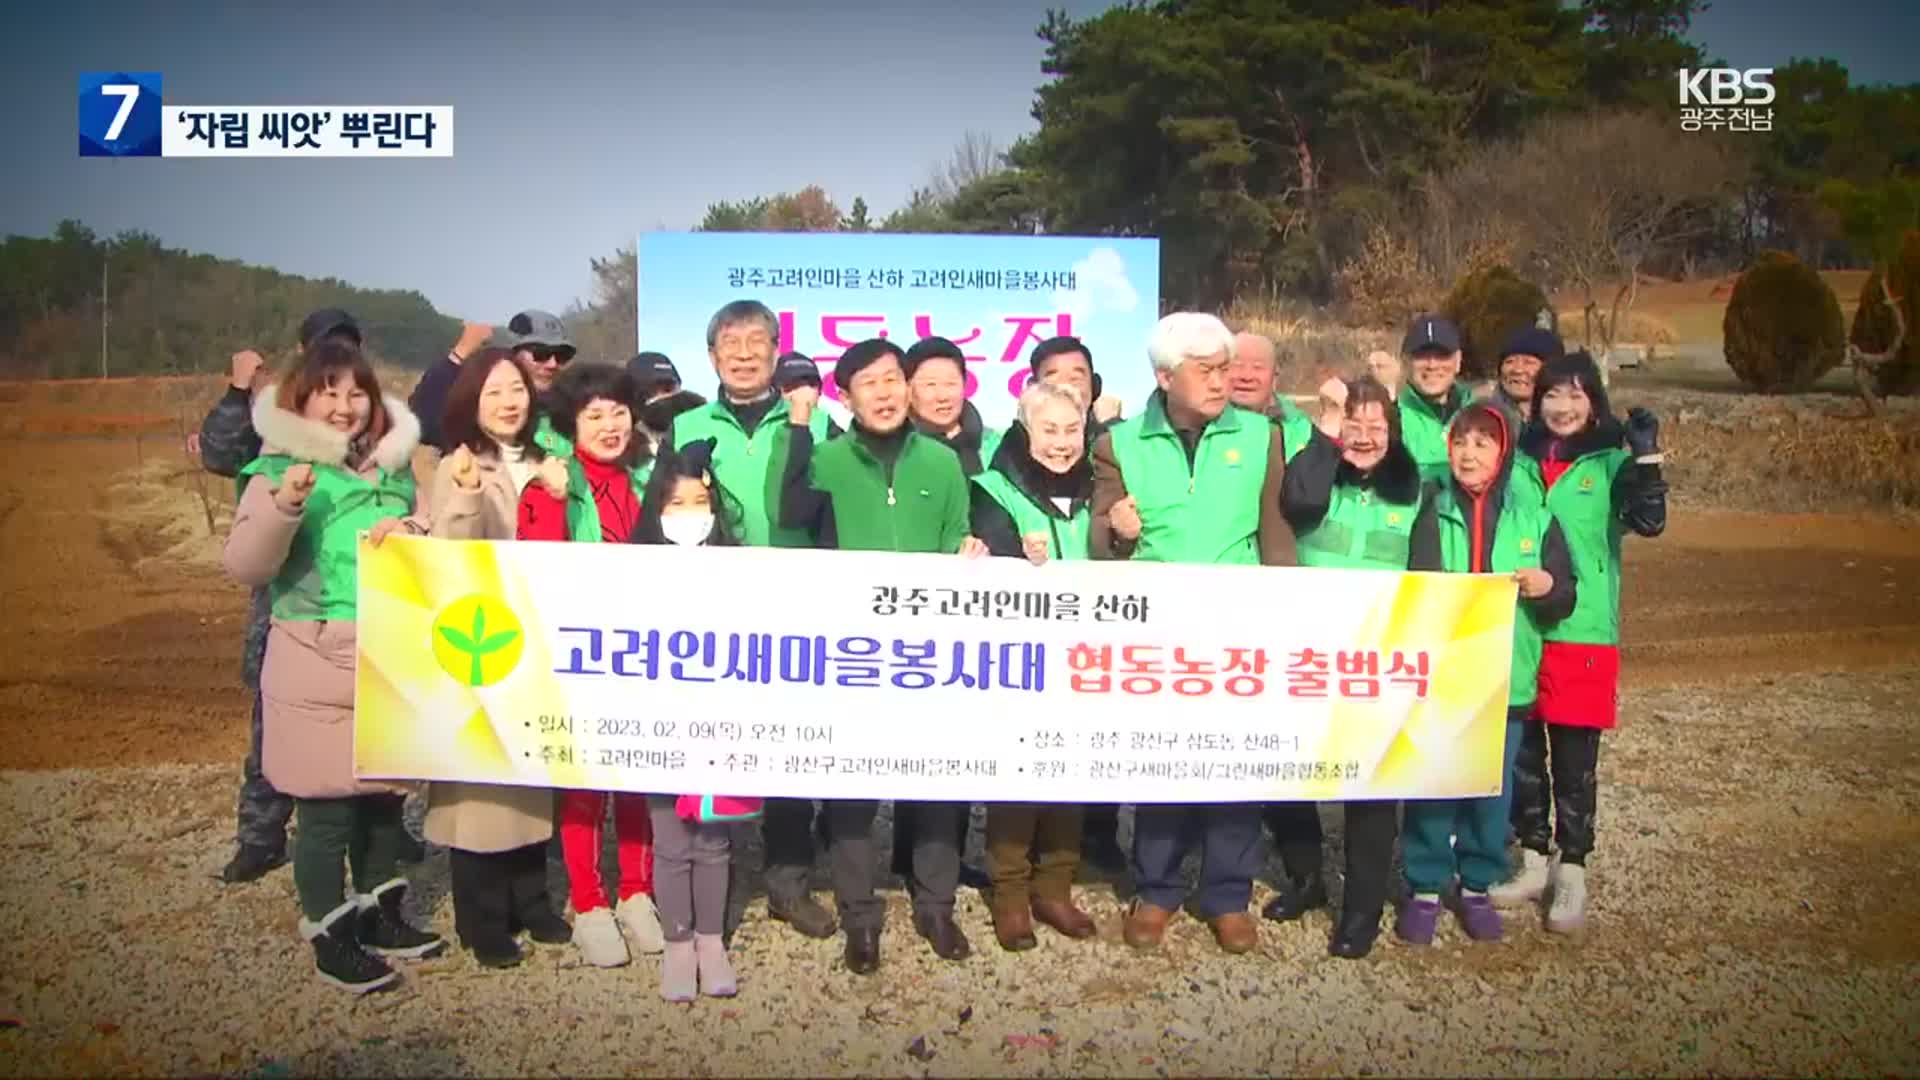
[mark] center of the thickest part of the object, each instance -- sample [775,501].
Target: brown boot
[1063,916]
[1012,926]
[1146,925]
[1236,932]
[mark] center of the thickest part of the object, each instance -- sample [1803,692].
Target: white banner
[306,131]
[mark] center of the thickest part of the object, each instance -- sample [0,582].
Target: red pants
[581,813]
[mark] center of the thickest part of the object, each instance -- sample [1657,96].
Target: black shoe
[340,960]
[804,914]
[944,935]
[383,931]
[1297,897]
[863,951]
[504,953]
[412,851]
[251,862]
[546,928]
[973,877]
[1355,935]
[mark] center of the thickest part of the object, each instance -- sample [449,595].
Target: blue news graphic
[120,114]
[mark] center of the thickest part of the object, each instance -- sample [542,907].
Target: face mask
[689,528]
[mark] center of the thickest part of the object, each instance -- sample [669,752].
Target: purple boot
[1417,921]
[1477,916]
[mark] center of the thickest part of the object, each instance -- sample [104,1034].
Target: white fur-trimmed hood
[296,436]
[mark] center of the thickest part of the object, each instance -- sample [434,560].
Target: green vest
[1296,427]
[1362,531]
[1425,434]
[1207,512]
[583,514]
[750,468]
[1518,537]
[554,443]
[918,504]
[1068,538]
[321,578]
[1582,501]
[990,439]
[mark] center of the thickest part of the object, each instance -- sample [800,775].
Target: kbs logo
[1737,99]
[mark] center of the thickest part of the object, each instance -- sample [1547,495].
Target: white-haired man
[1192,479]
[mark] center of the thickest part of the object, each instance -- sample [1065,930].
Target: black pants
[1556,769]
[1371,828]
[787,833]
[262,812]
[1099,823]
[906,821]
[495,893]
[935,872]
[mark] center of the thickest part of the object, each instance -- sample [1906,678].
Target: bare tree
[976,155]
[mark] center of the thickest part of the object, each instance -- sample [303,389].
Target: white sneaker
[597,936]
[1525,887]
[1568,913]
[641,920]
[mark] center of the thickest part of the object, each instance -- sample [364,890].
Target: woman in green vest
[594,497]
[1602,480]
[1351,496]
[1480,523]
[1032,503]
[336,461]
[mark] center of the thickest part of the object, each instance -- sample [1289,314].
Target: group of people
[1537,479]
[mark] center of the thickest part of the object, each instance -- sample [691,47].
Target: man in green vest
[748,423]
[1192,479]
[884,486]
[1253,383]
[1433,392]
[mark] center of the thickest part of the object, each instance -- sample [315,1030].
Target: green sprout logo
[464,647]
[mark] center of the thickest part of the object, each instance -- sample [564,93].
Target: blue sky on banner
[995,296]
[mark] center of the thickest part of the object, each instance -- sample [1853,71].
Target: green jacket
[583,514]
[1583,501]
[1344,521]
[750,468]
[320,579]
[550,440]
[1424,429]
[844,497]
[1007,505]
[1296,427]
[1203,510]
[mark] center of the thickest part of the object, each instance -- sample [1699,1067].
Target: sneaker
[680,972]
[338,957]
[1525,887]
[1568,912]
[597,936]
[1477,916]
[641,921]
[251,862]
[716,973]
[1418,920]
[383,931]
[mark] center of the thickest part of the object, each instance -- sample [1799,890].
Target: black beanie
[933,348]
[856,359]
[1533,341]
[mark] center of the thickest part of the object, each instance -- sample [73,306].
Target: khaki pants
[1033,849]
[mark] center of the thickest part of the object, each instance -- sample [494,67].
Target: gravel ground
[1753,914]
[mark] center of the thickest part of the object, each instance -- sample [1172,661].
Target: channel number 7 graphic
[120,114]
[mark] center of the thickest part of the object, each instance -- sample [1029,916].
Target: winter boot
[251,862]
[1525,887]
[680,972]
[716,973]
[1568,912]
[383,931]
[338,957]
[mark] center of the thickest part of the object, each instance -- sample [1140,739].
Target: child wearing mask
[692,844]
[1480,523]
[1602,480]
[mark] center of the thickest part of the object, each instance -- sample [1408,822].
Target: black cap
[1533,341]
[328,321]
[795,369]
[1431,333]
[861,356]
[652,369]
[933,348]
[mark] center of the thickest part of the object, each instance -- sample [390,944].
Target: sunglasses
[550,356]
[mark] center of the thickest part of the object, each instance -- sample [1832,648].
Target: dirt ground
[1756,891]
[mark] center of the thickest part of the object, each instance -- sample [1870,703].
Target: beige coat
[482,817]
[306,682]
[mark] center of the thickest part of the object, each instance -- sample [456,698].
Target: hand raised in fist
[552,475]
[1534,583]
[1125,518]
[295,485]
[246,366]
[1333,407]
[800,403]
[1643,432]
[1034,546]
[1107,408]
[462,468]
[472,337]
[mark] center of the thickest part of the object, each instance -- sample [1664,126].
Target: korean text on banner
[705,670]
[995,296]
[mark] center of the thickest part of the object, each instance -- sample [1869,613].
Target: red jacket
[543,517]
